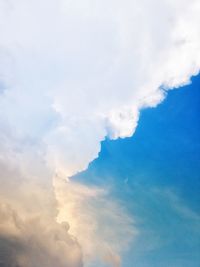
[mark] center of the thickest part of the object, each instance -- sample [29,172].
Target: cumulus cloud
[77,71]
[29,233]
[36,242]
[51,222]
[73,73]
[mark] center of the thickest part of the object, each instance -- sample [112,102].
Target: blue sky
[156,174]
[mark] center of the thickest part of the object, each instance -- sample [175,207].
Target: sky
[99,133]
[156,175]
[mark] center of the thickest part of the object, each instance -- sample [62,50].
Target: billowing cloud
[54,222]
[77,71]
[73,73]
[36,242]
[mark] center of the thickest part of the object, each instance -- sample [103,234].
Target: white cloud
[78,71]
[74,72]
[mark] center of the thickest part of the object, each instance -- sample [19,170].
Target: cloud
[90,213]
[54,222]
[36,242]
[75,72]
[29,233]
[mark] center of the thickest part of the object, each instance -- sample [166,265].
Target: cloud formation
[38,241]
[71,74]
[50,221]
[77,71]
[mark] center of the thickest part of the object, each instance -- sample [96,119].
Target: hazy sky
[98,154]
